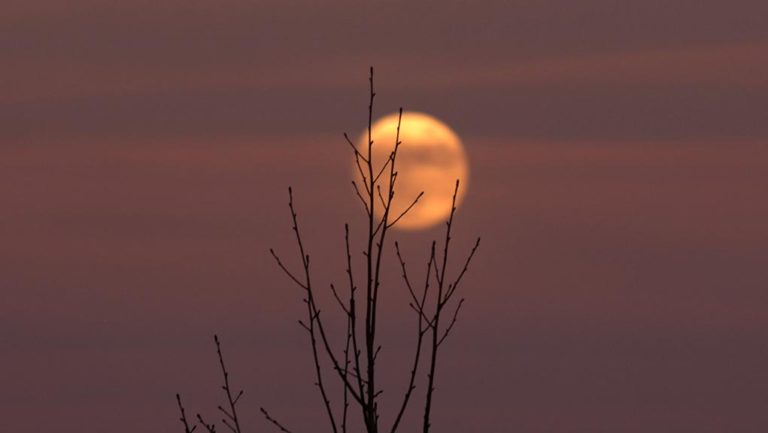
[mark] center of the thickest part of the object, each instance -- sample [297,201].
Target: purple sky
[619,175]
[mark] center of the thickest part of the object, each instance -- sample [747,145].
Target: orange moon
[430,159]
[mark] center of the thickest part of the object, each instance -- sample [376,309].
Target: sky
[618,159]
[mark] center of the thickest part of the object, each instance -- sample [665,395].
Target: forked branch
[231,420]
[356,366]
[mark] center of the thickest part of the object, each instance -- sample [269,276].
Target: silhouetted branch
[352,314]
[231,420]
[384,167]
[408,209]
[338,299]
[183,418]
[345,398]
[354,149]
[369,408]
[418,306]
[210,428]
[444,294]
[455,284]
[287,272]
[274,421]
[381,197]
[356,367]
[314,325]
[453,322]
[362,200]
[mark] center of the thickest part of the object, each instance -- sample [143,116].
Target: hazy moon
[430,159]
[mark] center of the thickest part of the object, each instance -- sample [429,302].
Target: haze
[619,180]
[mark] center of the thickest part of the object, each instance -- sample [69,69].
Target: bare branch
[419,308]
[362,200]
[229,426]
[338,299]
[210,428]
[368,406]
[232,401]
[384,167]
[453,322]
[313,314]
[368,188]
[353,313]
[458,279]
[287,272]
[381,197]
[408,209]
[443,295]
[379,225]
[354,149]
[345,395]
[405,274]
[274,421]
[393,156]
[183,418]
[318,373]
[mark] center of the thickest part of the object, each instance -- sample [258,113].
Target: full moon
[430,159]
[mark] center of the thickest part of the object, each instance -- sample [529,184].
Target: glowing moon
[430,159]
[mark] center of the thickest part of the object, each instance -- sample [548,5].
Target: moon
[430,159]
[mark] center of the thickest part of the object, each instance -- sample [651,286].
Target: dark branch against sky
[619,170]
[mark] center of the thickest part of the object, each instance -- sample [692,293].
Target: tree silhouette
[355,366]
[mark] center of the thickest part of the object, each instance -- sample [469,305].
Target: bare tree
[355,365]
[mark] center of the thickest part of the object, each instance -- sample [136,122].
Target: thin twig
[210,428]
[314,325]
[233,423]
[345,395]
[338,299]
[352,312]
[444,295]
[354,148]
[362,200]
[458,279]
[273,421]
[453,322]
[408,209]
[183,418]
[418,306]
[287,272]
